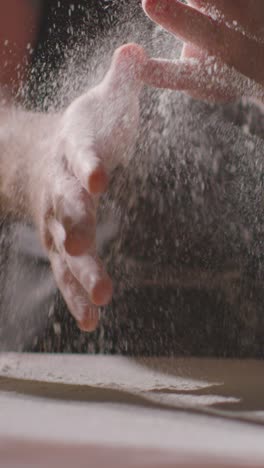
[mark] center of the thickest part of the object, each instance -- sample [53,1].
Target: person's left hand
[96,132]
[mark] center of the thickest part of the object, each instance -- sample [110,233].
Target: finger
[207,92]
[203,77]
[89,169]
[74,295]
[175,75]
[86,269]
[125,69]
[91,320]
[218,40]
[74,212]
[184,21]
[189,51]
[89,272]
[235,12]
[82,157]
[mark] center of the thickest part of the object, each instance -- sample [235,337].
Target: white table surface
[109,411]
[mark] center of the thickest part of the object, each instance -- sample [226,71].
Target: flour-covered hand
[95,133]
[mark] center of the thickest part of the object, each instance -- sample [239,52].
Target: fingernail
[90,321]
[101,293]
[79,238]
[97,180]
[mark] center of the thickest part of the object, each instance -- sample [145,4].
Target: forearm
[26,141]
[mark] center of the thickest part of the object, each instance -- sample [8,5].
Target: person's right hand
[223,53]
[97,131]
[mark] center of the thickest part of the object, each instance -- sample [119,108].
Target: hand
[96,132]
[223,55]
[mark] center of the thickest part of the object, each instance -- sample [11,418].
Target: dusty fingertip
[102,292]
[97,180]
[90,321]
[94,177]
[130,52]
[131,57]
[149,5]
